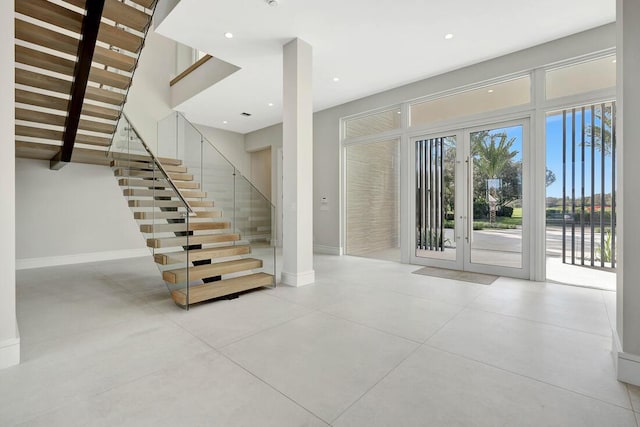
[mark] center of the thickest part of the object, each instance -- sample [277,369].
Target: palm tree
[493,158]
[602,128]
[492,152]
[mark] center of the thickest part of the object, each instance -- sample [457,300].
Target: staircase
[74,64]
[198,250]
[49,68]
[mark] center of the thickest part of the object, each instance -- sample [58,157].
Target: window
[581,78]
[489,98]
[373,123]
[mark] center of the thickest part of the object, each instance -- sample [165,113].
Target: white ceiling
[370,45]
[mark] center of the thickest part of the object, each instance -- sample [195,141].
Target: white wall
[200,79]
[627,334]
[149,98]
[9,337]
[270,137]
[261,165]
[326,154]
[231,145]
[72,215]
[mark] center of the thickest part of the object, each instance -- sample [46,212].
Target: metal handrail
[162,169]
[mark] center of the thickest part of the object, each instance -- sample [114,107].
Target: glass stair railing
[203,248]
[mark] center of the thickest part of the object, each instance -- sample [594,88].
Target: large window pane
[581,78]
[373,200]
[489,98]
[373,124]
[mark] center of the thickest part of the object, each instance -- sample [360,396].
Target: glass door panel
[435,198]
[469,200]
[495,193]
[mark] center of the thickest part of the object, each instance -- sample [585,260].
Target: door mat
[465,276]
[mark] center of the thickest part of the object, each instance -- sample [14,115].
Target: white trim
[10,352]
[627,365]
[327,250]
[629,368]
[298,279]
[28,263]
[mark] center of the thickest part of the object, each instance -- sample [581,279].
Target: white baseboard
[298,279]
[327,250]
[28,263]
[10,352]
[627,365]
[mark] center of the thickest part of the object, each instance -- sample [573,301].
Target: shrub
[505,211]
[480,208]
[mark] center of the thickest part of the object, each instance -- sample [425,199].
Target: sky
[554,156]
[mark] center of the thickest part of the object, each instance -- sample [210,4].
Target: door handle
[469,201]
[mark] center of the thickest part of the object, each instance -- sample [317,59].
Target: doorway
[470,199]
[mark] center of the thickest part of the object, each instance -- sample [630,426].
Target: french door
[470,199]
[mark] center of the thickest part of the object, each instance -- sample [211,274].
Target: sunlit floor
[580,275]
[369,344]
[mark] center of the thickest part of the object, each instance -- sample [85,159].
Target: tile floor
[370,344]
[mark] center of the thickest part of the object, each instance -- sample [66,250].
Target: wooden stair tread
[119,38]
[63,43]
[175,215]
[150,174]
[39,117]
[145,166]
[144,158]
[157,183]
[169,242]
[42,133]
[59,120]
[201,254]
[41,100]
[198,272]
[61,104]
[41,81]
[168,203]
[192,226]
[207,291]
[36,58]
[121,13]
[145,3]
[93,140]
[34,132]
[114,59]
[126,15]
[135,192]
[51,13]
[104,95]
[99,127]
[109,78]
[38,35]
[101,112]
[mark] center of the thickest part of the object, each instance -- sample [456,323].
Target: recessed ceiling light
[270,104]
[399,112]
[225,122]
[614,61]
[448,36]
[336,79]
[490,91]
[228,35]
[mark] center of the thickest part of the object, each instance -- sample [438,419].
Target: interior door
[470,205]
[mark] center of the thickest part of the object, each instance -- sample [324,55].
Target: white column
[297,170]
[9,340]
[627,334]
